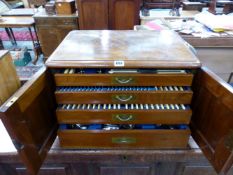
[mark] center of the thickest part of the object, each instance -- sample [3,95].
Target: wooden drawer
[124,116]
[129,139]
[173,97]
[56,21]
[124,79]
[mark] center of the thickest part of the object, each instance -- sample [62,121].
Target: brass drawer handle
[123,80]
[123,140]
[124,98]
[123,117]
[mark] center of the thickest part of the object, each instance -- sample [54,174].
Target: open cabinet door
[212,120]
[29,117]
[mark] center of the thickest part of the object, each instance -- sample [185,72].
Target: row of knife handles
[124,107]
[122,88]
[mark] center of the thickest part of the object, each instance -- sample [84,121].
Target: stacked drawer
[112,108]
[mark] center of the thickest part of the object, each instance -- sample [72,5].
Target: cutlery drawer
[176,138]
[126,116]
[123,79]
[126,97]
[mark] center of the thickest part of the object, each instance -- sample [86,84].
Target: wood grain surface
[212,120]
[124,97]
[131,116]
[119,139]
[131,79]
[9,80]
[164,49]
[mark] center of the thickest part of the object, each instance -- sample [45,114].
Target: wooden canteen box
[50,8]
[65,7]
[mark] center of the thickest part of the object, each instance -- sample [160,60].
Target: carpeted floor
[23,39]
[19,36]
[26,72]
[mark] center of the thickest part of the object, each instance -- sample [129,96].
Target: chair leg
[9,35]
[36,46]
[1,45]
[13,36]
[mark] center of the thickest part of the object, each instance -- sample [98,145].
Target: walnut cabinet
[166,73]
[53,29]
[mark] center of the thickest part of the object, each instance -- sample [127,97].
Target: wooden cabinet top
[124,49]
[16,21]
[42,14]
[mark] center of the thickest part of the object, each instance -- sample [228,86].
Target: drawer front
[123,80]
[118,139]
[198,170]
[50,170]
[124,97]
[124,170]
[56,21]
[124,116]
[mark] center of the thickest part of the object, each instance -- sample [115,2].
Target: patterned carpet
[23,39]
[27,72]
[19,36]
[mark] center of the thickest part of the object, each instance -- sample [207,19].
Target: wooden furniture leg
[10,34]
[1,45]
[36,45]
